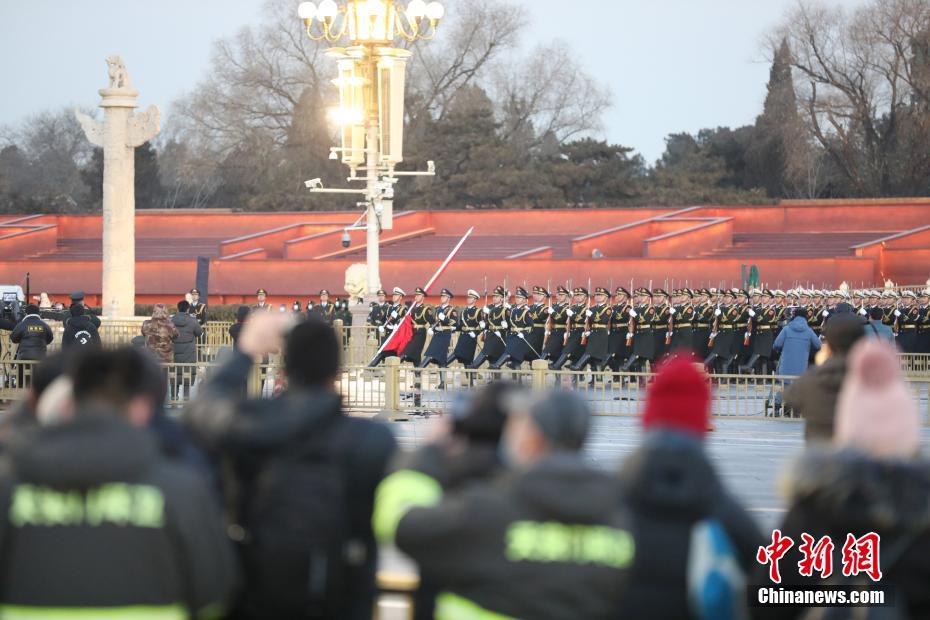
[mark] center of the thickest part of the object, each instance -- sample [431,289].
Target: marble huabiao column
[120,132]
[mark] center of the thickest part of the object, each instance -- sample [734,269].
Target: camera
[314,183]
[346,239]
[11,308]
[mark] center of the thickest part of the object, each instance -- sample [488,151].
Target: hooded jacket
[796,342]
[33,335]
[185,345]
[95,522]
[551,542]
[838,492]
[80,331]
[814,395]
[670,485]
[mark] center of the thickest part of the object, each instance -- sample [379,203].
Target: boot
[725,366]
[630,363]
[750,365]
[380,357]
[450,359]
[426,362]
[709,362]
[581,363]
[475,365]
[499,363]
[557,364]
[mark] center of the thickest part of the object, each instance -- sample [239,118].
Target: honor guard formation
[732,330]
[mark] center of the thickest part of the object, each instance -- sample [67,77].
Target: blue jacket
[796,342]
[877,329]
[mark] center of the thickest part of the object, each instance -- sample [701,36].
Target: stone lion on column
[356,282]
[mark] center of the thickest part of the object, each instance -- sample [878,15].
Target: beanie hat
[875,411]
[564,418]
[678,398]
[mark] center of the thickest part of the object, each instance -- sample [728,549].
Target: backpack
[293,531]
[716,582]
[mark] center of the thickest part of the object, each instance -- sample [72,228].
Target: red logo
[773,553]
[859,555]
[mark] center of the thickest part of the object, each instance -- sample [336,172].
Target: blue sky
[672,65]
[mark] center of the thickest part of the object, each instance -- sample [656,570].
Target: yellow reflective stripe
[134,612]
[397,494]
[453,607]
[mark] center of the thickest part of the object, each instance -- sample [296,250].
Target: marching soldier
[620,338]
[323,311]
[377,316]
[557,325]
[261,295]
[764,317]
[539,312]
[395,314]
[742,326]
[596,324]
[663,323]
[683,333]
[573,349]
[644,344]
[521,323]
[909,320]
[495,323]
[198,309]
[703,320]
[421,316]
[469,326]
[444,319]
[723,338]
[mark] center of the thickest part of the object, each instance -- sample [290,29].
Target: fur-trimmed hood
[861,492]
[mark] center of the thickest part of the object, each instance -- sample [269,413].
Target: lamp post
[370,79]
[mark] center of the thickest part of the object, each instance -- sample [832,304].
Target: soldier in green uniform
[573,349]
[644,344]
[923,324]
[323,311]
[723,335]
[662,323]
[764,316]
[620,339]
[557,325]
[908,323]
[198,309]
[684,316]
[596,325]
[261,296]
[703,321]
[377,315]
[495,324]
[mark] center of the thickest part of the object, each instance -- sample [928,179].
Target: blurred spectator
[24,413]
[548,541]
[676,498]
[871,480]
[185,348]
[32,334]
[80,331]
[813,396]
[795,343]
[99,524]
[242,313]
[876,328]
[160,334]
[44,302]
[305,475]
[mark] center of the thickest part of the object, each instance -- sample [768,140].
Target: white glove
[569,312]
[430,331]
[713,335]
[668,334]
[752,312]
[394,314]
[717,312]
[472,334]
[747,335]
[589,313]
[897,313]
[548,333]
[381,328]
[672,310]
[825,313]
[633,313]
[508,306]
[442,316]
[629,335]
[521,335]
[497,333]
[486,310]
[863,312]
[482,324]
[504,324]
[586,334]
[549,310]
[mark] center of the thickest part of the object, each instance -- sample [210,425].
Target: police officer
[520,325]
[444,319]
[78,298]
[198,309]
[323,311]
[394,315]
[421,316]
[469,326]
[495,324]
[620,338]
[261,296]
[557,325]
[596,323]
[574,349]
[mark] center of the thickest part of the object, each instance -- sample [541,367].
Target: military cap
[712,291]
[77,296]
[398,291]
[730,292]
[766,293]
[660,291]
[580,290]
[541,290]
[473,293]
[261,291]
[704,291]
[741,292]
[909,294]
[500,291]
[622,291]
[755,291]
[521,292]
[447,293]
[891,295]
[925,292]
[323,292]
[381,291]
[778,293]
[794,294]
[843,294]
[419,291]
[195,291]
[561,289]
[643,291]
[686,292]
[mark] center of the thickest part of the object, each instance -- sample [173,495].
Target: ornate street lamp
[370,78]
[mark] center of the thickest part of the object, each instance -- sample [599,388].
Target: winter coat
[549,542]
[877,329]
[234,330]
[796,342]
[80,331]
[97,523]
[670,485]
[254,432]
[33,335]
[837,492]
[159,338]
[185,345]
[814,395]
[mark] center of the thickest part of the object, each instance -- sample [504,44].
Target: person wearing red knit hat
[673,492]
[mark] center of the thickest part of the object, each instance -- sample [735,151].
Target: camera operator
[32,334]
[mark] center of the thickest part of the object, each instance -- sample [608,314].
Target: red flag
[399,338]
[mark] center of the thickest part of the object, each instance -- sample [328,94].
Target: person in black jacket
[97,523]
[78,298]
[550,540]
[305,475]
[242,313]
[80,331]
[670,485]
[185,348]
[32,334]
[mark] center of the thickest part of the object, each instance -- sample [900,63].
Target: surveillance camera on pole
[313,184]
[346,239]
